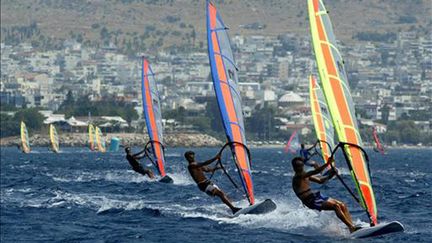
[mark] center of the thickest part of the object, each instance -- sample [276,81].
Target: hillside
[155,23]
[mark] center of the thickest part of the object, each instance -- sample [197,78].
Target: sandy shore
[130,139]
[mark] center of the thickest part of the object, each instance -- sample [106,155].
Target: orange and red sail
[225,82]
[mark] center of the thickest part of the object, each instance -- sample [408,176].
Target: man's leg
[150,174]
[332,204]
[224,199]
[345,210]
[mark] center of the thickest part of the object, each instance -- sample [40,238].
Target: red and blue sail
[153,116]
[225,82]
[293,144]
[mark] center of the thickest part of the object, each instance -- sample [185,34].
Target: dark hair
[294,162]
[188,154]
[127,149]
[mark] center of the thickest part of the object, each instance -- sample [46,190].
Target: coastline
[171,140]
[126,139]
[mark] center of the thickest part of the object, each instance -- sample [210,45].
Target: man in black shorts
[315,200]
[136,166]
[197,172]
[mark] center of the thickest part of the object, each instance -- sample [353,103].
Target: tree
[31,116]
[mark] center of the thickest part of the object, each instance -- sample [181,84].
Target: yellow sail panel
[339,100]
[25,144]
[322,121]
[91,141]
[54,139]
[99,140]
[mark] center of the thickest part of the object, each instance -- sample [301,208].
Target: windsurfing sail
[378,145]
[322,121]
[153,116]
[54,138]
[100,141]
[92,139]
[340,103]
[293,144]
[225,82]
[25,144]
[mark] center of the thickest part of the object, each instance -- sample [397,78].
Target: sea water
[78,195]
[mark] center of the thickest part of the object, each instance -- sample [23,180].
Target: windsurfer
[197,172]
[315,200]
[136,166]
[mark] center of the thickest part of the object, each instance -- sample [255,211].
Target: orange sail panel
[340,103]
[225,82]
[322,121]
[153,115]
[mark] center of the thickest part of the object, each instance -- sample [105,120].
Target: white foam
[181,179]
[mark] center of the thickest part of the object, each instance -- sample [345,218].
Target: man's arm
[208,169]
[322,179]
[316,171]
[136,156]
[209,161]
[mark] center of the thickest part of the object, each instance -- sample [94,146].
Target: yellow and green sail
[322,121]
[100,142]
[340,103]
[54,139]
[25,144]
[91,135]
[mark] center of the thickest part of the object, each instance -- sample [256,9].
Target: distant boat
[91,137]
[378,145]
[293,144]
[100,141]
[25,144]
[54,139]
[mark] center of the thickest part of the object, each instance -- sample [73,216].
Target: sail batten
[153,115]
[339,100]
[225,82]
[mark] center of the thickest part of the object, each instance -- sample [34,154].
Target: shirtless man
[136,166]
[315,200]
[197,170]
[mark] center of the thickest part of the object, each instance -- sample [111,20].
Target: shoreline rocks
[126,139]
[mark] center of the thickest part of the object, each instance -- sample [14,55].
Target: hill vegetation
[154,24]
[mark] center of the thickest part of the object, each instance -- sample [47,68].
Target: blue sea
[83,196]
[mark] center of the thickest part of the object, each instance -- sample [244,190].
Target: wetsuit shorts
[207,187]
[315,200]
